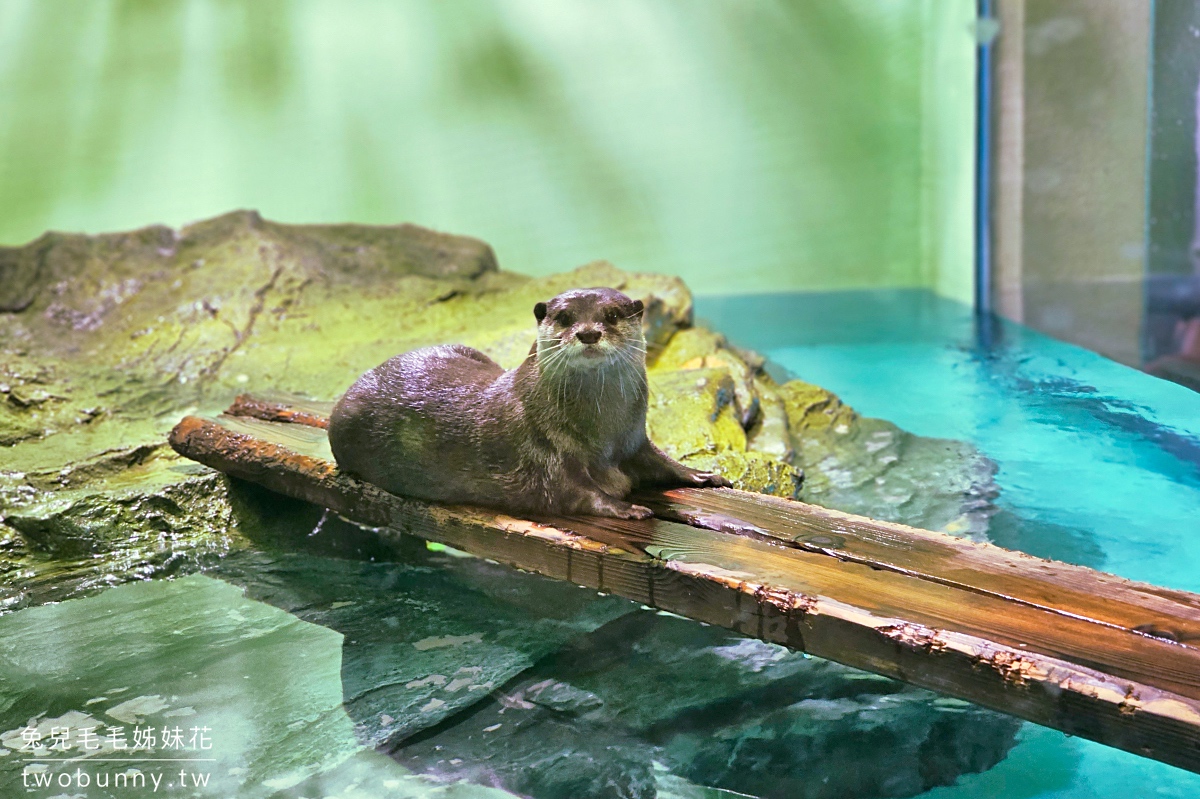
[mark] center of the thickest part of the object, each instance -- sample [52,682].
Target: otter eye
[611,316]
[565,319]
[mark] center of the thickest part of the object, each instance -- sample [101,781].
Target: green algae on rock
[693,414]
[774,436]
[873,468]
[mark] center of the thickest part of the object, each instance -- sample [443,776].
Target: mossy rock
[693,414]
[106,341]
[872,467]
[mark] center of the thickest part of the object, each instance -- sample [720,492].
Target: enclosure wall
[745,146]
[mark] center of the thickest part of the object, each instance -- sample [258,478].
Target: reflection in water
[467,670]
[649,693]
[1045,539]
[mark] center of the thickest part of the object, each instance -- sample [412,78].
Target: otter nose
[588,335]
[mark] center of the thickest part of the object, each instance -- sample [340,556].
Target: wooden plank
[932,627]
[1071,591]
[886,593]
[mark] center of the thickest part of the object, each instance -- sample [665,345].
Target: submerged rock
[255,691]
[651,695]
[425,637]
[873,468]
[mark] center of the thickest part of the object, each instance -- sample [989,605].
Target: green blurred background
[746,146]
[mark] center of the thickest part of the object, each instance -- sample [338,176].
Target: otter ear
[637,306]
[539,311]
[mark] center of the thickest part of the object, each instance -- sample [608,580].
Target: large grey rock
[106,341]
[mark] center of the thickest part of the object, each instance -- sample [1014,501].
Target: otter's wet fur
[563,433]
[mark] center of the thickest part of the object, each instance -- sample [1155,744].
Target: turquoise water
[1099,464]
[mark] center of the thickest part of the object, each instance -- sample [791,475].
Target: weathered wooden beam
[1068,590]
[1084,652]
[1071,591]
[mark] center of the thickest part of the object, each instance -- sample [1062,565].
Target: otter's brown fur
[563,433]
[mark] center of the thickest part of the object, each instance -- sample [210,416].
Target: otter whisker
[632,360]
[600,394]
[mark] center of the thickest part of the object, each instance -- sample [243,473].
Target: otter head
[590,329]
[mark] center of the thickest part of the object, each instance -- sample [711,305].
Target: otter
[563,433]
